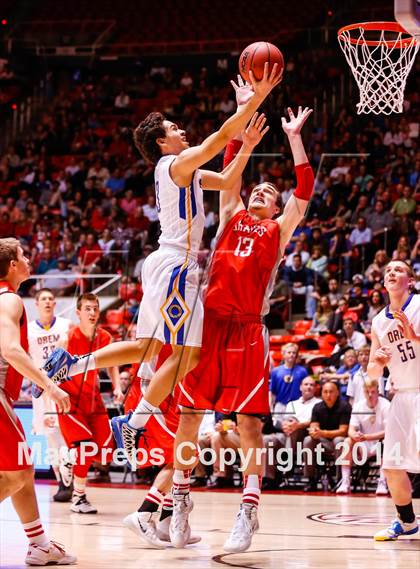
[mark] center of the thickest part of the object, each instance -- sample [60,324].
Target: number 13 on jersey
[244,247]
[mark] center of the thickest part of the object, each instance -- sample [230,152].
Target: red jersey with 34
[243,266]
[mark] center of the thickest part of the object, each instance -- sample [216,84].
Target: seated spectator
[130,293]
[340,313]
[318,262]
[357,300]
[380,219]
[67,249]
[404,205]
[323,318]
[294,428]
[333,293]
[361,234]
[363,179]
[116,182]
[358,380]
[46,262]
[60,286]
[341,347]
[329,426]
[318,239]
[376,303]
[375,271]
[367,429]
[285,381]
[106,242]
[128,203]
[402,245]
[298,250]
[126,378]
[344,373]
[89,254]
[362,209]
[300,280]
[355,339]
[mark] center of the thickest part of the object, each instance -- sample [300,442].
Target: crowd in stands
[81,200]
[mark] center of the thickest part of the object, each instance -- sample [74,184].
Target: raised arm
[11,310]
[230,175]
[192,158]
[296,205]
[231,202]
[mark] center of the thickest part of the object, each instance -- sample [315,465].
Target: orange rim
[377,26]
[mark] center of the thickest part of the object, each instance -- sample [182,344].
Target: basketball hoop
[380,55]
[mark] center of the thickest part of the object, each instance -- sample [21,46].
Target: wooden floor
[296,531]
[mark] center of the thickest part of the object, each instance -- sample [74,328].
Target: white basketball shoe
[246,524]
[162,530]
[179,528]
[53,554]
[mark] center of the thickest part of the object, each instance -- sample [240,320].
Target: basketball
[254,57]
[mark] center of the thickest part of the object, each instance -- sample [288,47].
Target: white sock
[79,486]
[142,414]
[252,490]
[345,473]
[181,481]
[83,364]
[35,533]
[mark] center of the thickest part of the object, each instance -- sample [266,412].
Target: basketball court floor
[296,531]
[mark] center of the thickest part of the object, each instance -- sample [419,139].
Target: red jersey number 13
[244,247]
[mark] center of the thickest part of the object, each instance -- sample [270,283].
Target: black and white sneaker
[81,505]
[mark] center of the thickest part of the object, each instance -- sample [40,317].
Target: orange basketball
[254,57]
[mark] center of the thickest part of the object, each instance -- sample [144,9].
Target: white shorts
[171,309]
[402,433]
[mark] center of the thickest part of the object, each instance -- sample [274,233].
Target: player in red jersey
[16,472]
[87,424]
[233,371]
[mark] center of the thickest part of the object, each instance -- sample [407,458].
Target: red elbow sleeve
[305,181]
[232,149]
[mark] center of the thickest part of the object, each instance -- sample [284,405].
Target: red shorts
[93,426]
[160,429]
[233,371]
[11,434]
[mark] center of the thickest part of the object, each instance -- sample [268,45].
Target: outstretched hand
[255,130]
[243,91]
[295,124]
[268,82]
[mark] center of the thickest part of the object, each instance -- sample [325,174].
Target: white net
[380,67]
